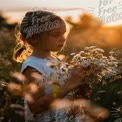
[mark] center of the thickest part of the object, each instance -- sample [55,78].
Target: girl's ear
[33,40]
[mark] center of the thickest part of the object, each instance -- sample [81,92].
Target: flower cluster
[93,58]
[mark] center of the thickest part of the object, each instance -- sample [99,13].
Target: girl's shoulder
[34,62]
[43,66]
[33,59]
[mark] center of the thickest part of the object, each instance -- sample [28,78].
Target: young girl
[41,33]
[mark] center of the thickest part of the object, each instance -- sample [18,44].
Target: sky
[23,4]
[15,9]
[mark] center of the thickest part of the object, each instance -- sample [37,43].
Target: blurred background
[93,23]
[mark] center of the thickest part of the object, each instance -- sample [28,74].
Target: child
[41,33]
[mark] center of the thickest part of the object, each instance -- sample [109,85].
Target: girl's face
[54,39]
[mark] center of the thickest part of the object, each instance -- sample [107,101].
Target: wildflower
[93,57]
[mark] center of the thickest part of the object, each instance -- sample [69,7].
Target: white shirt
[43,67]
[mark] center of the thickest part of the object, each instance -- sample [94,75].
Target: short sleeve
[38,65]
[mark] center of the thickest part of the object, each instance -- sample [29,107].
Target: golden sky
[15,9]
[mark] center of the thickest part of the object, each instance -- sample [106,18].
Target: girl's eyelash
[58,33]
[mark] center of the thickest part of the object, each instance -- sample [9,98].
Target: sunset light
[60,60]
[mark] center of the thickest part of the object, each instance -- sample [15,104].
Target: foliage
[7,66]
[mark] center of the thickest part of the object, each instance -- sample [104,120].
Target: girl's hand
[78,75]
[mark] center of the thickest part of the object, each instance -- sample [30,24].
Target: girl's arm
[38,101]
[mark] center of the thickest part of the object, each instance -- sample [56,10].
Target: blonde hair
[30,30]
